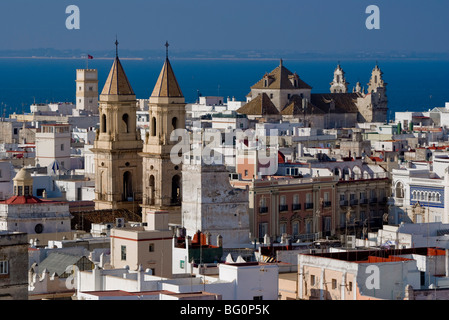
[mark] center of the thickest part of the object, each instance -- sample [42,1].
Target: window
[4,267]
[62,147]
[312,280]
[350,286]
[151,247]
[153,127]
[334,284]
[91,88]
[123,253]
[246,173]
[103,123]
[283,228]
[125,119]
[263,229]
[258,298]
[27,190]
[39,228]
[295,228]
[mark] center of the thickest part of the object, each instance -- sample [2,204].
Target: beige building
[146,247]
[87,90]
[293,98]
[118,183]
[161,180]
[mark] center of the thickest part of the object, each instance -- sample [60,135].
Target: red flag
[89,56]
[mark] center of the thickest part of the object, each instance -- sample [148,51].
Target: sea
[412,85]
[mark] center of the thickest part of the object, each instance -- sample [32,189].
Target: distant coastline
[223,55]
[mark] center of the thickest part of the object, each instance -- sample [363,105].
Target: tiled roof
[344,102]
[294,108]
[167,85]
[261,105]
[24,200]
[117,83]
[280,79]
[57,262]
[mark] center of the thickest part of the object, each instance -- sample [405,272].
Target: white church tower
[339,84]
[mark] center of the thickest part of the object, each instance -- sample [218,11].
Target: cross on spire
[116,46]
[166,49]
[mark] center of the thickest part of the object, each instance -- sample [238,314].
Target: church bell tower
[161,177]
[117,145]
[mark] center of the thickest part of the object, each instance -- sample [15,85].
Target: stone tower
[339,84]
[161,177]
[118,183]
[87,90]
[378,90]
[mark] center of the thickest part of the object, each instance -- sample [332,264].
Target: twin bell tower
[131,173]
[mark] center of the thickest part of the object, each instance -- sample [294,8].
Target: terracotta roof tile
[261,105]
[167,85]
[117,83]
[279,78]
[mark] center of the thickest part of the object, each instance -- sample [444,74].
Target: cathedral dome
[23,175]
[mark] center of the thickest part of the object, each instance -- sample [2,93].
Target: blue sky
[296,25]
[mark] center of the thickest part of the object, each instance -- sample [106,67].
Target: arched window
[176,190]
[437,198]
[399,192]
[127,186]
[125,119]
[103,123]
[153,127]
[152,190]
[174,123]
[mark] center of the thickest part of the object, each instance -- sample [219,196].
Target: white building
[6,175]
[211,205]
[419,193]
[236,281]
[212,105]
[53,147]
[41,219]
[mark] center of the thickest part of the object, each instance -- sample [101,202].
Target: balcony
[363,201]
[309,205]
[296,206]
[373,200]
[283,207]
[263,209]
[343,203]
[327,204]
[354,202]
